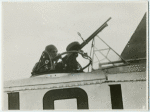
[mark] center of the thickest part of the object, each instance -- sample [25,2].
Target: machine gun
[77,46]
[74,48]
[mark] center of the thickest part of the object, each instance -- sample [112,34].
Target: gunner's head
[52,50]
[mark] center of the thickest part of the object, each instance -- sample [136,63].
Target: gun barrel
[94,34]
[108,20]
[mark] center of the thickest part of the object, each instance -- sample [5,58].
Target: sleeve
[44,63]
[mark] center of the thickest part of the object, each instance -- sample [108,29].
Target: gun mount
[70,59]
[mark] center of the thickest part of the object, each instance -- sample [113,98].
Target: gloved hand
[57,57]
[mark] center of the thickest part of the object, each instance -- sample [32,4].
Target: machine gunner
[47,61]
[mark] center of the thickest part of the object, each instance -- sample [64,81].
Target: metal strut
[105,57]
